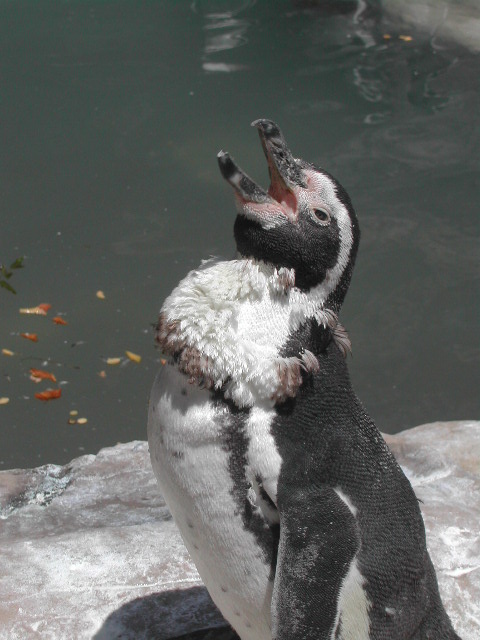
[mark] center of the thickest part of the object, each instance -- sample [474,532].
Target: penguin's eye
[322,216]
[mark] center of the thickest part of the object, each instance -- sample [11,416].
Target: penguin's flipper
[317,572]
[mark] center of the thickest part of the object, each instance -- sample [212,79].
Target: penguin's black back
[327,441]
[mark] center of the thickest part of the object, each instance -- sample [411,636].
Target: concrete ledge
[89,550]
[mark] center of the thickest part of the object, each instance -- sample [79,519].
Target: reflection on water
[114,117]
[224,30]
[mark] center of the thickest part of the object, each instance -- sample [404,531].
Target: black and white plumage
[300,521]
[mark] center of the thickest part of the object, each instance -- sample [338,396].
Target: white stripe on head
[324,188]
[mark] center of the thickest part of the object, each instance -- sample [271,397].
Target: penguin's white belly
[191,462]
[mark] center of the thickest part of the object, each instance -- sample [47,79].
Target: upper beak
[284,171]
[285,174]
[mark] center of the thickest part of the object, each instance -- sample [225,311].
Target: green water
[112,114]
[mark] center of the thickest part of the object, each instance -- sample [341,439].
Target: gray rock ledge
[89,550]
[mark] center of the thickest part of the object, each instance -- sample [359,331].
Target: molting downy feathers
[238,314]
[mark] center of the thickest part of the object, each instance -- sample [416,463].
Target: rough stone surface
[89,550]
[442,461]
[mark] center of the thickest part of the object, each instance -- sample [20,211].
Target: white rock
[89,550]
[442,461]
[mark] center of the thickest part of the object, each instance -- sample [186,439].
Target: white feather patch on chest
[230,319]
[353,606]
[191,463]
[263,460]
[344,498]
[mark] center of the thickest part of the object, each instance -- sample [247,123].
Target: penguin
[300,521]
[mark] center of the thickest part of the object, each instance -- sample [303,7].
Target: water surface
[112,115]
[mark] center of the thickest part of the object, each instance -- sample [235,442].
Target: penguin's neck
[310,335]
[326,295]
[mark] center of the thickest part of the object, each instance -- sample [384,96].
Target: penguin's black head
[305,221]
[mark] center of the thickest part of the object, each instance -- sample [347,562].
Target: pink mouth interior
[283,196]
[284,201]
[279,191]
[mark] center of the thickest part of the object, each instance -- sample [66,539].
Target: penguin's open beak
[286,177]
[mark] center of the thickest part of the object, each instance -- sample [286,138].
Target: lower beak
[246,188]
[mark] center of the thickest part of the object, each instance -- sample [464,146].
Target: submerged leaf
[7,273]
[58,320]
[18,263]
[34,311]
[7,286]
[133,356]
[43,375]
[49,394]
[30,336]
[39,310]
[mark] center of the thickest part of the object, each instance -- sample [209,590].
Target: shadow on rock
[182,614]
